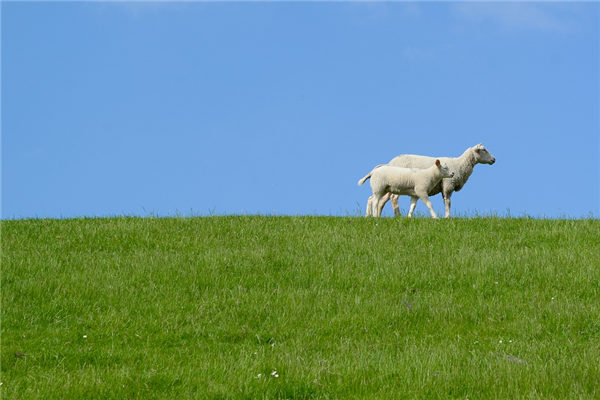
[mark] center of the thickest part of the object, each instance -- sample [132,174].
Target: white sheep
[461,166]
[414,182]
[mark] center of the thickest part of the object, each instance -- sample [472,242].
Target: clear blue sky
[279,108]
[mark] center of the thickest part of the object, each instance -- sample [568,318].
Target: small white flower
[85,336]
[259,376]
[274,374]
[510,341]
[495,283]
[500,341]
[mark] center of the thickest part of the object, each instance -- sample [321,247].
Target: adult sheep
[461,166]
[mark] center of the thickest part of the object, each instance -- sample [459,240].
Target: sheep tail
[364,179]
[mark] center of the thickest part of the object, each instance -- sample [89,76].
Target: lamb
[461,166]
[414,182]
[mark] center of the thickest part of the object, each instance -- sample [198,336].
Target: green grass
[176,308]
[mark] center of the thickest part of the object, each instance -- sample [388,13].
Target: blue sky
[199,108]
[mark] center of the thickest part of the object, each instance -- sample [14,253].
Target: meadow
[265,307]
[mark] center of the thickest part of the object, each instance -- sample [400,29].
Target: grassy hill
[300,307]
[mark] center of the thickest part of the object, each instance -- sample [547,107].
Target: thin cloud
[516,16]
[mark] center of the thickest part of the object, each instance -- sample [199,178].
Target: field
[257,307]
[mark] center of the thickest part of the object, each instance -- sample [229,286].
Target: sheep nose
[493,160]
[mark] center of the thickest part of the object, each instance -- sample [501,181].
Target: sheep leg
[425,199]
[395,205]
[447,204]
[382,202]
[375,205]
[413,203]
[368,213]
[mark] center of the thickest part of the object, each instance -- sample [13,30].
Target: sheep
[462,167]
[414,182]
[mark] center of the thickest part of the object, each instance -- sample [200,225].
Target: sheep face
[483,156]
[446,173]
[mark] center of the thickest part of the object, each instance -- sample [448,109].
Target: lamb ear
[437,162]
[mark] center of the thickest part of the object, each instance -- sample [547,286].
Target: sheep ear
[437,162]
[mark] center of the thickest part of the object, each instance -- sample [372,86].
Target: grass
[339,307]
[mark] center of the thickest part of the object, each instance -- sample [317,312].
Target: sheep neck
[468,158]
[466,163]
